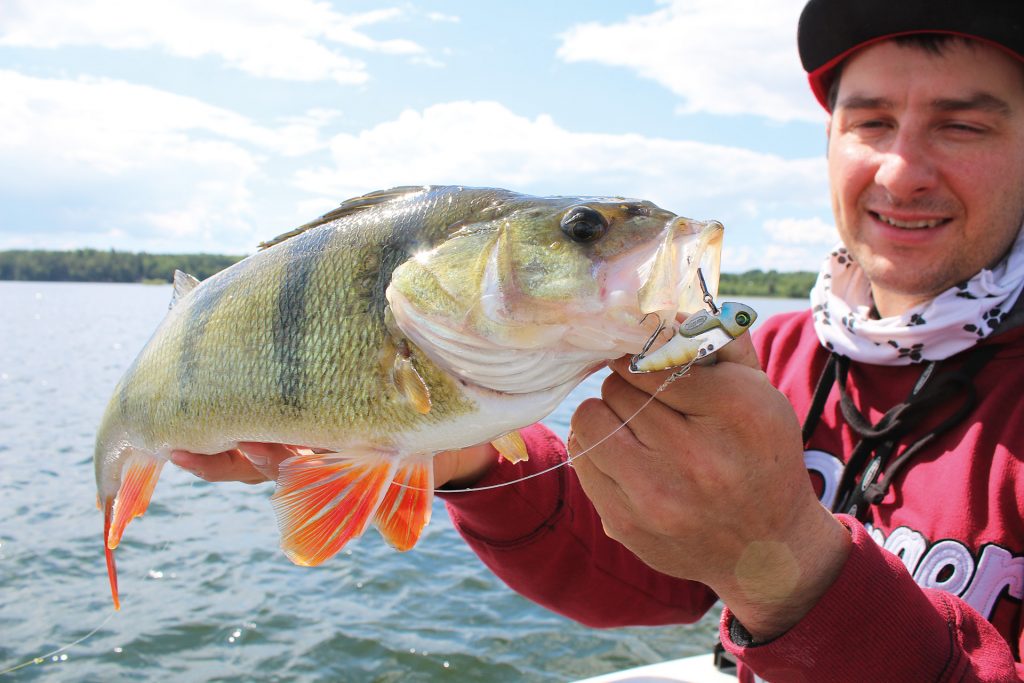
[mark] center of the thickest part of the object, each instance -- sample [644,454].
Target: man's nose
[906,169]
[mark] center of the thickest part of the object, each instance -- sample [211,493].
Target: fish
[404,323]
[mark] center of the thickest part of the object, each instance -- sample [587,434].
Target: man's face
[926,164]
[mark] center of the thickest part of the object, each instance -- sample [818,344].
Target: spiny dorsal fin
[183,284]
[347,207]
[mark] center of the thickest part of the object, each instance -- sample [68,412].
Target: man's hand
[250,463]
[708,483]
[254,462]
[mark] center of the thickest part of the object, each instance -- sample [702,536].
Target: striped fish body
[404,323]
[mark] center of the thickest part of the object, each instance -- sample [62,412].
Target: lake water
[206,594]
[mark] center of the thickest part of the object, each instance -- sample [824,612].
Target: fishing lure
[697,338]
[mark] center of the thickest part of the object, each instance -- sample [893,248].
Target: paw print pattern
[962,291]
[989,322]
[916,319]
[842,257]
[821,314]
[913,352]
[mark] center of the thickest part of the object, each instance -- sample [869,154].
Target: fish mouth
[666,282]
[672,285]
[652,285]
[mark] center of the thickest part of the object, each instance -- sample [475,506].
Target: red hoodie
[933,585]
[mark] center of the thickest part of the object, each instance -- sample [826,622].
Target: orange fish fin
[405,510]
[108,505]
[511,447]
[324,500]
[139,475]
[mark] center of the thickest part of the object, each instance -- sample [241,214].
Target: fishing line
[42,658]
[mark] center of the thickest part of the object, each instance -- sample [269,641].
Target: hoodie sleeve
[544,539]
[876,624]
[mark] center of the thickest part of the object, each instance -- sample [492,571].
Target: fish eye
[583,224]
[742,318]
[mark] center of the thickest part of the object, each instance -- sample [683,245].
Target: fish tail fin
[405,510]
[139,475]
[108,553]
[324,500]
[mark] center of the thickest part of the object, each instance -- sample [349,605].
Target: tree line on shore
[93,265]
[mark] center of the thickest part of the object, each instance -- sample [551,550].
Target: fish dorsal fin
[183,284]
[348,207]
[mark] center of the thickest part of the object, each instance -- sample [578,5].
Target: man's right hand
[255,462]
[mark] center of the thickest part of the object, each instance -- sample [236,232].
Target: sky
[183,126]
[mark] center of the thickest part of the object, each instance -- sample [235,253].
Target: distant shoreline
[94,265]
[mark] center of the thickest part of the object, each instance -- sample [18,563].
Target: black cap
[830,30]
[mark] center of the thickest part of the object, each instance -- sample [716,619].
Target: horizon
[207,127]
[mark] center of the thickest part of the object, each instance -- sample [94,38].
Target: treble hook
[657,333]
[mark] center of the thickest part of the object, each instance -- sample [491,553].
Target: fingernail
[256,460]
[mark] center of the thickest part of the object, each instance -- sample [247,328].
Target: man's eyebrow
[977,102]
[864,102]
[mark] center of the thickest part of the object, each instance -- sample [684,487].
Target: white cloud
[441,17]
[718,56]
[114,159]
[297,40]
[104,163]
[812,231]
[739,258]
[483,143]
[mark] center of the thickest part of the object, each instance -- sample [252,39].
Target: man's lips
[909,223]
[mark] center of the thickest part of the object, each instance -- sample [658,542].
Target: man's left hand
[708,483]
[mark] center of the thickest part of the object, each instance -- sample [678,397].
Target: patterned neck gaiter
[951,322]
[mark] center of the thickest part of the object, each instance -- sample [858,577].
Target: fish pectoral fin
[410,384]
[405,510]
[511,447]
[324,500]
[139,473]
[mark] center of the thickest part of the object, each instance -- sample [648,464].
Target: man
[906,374]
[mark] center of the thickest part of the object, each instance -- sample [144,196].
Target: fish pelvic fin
[139,475]
[512,447]
[405,510]
[324,500]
